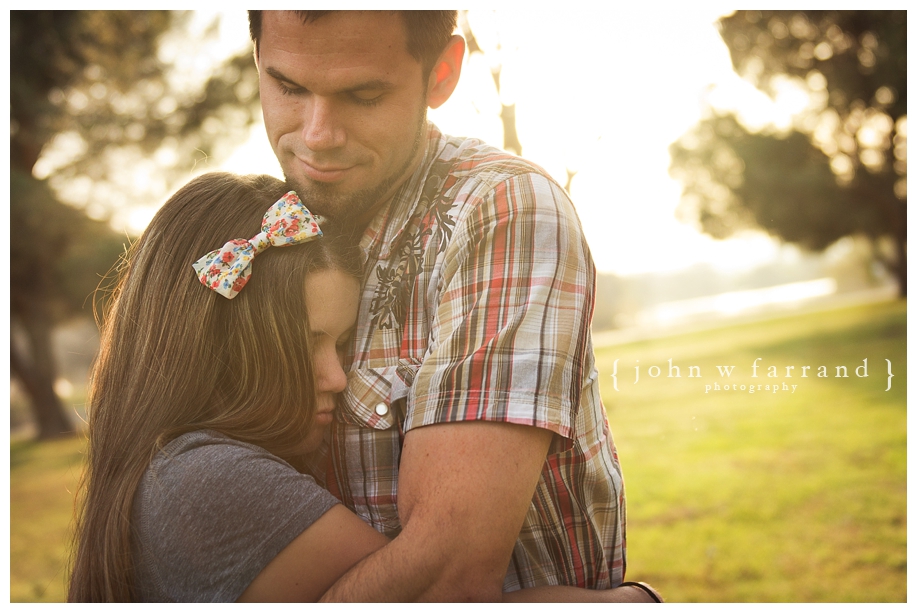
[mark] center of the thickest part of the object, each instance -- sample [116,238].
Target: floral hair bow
[287,222]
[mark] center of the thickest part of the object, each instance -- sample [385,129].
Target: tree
[90,86]
[842,168]
[57,257]
[507,111]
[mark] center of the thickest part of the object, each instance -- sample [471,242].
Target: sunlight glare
[605,109]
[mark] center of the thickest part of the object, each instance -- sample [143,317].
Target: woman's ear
[446,72]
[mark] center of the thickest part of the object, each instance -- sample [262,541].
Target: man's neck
[386,201]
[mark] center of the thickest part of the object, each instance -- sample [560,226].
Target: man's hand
[464,489]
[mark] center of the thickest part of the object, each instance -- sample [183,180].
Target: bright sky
[603,93]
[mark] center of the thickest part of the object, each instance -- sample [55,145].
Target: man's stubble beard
[353,209]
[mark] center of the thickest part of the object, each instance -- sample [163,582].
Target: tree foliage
[857,53]
[119,120]
[98,119]
[842,168]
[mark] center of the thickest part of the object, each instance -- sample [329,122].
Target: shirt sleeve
[213,513]
[511,330]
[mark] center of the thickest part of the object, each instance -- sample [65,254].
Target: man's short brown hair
[428,32]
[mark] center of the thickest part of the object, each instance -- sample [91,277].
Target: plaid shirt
[477,305]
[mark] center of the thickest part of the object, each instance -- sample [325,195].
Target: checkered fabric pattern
[477,305]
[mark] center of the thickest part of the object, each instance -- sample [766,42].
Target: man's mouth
[324,173]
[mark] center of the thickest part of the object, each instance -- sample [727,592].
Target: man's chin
[318,198]
[338,206]
[335,207]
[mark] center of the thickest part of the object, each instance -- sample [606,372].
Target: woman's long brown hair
[176,357]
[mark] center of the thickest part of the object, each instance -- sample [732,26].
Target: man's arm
[464,490]
[511,332]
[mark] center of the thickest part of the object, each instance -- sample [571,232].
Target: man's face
[344,106]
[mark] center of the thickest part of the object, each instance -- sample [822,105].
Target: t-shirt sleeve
[511,329]
[213,512]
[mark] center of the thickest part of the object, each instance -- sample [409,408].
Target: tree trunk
[898,214]
[511,141]
[37,375]
[901,265]
[510,135]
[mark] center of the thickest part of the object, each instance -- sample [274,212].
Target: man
[472,430]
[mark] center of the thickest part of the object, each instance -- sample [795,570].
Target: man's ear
[446,72]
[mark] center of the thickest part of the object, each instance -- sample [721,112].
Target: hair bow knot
[287,222]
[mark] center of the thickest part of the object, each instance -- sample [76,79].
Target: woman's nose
[329,375]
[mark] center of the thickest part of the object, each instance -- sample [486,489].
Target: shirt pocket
[377,397]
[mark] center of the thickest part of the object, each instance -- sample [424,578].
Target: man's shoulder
[473,164]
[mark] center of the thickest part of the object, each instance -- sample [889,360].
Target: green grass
[731,496]
[43,479]
[768,497]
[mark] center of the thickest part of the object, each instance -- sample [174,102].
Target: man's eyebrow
[379,84]
[278,75]
[372,84]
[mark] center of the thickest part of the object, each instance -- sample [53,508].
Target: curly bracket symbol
[890,375]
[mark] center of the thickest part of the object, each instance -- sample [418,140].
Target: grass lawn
[43,479]
[732,496]
[788,496]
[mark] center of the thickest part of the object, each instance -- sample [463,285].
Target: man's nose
[322,129]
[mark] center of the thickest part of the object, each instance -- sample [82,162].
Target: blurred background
[742,181]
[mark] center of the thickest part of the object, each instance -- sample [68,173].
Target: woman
[212,384]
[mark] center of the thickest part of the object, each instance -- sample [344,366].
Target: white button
[381,409]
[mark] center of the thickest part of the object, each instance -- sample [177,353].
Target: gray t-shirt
[211,512]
